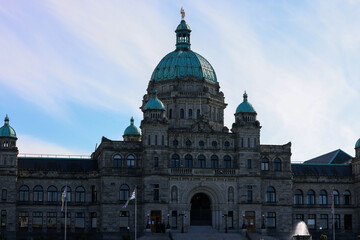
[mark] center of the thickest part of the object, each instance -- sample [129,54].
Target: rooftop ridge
[62,156]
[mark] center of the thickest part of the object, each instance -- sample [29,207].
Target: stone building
[187,168]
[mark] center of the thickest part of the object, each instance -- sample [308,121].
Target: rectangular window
[299,217]
[37,220]
[174,219]
[80,220]
[249,142]
[93,220]
[249,163]
[156,192]
[149,140]
[311,222]
[162,140]
[242,142]
[271,220]
[124,219]
[155,140]
[249,194]
[3,218]
[230,219]
[156,162]
[68,219]
[3,194]
[254,142]
[51,220]
[23,219]
[93,194]
[348,221]
[323,223]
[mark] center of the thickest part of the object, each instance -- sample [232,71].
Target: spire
[245,96]
[183,34]
[6,120]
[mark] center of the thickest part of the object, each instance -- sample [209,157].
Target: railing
[34,155]
[203,171]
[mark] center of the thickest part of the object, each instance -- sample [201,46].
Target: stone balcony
[203,171]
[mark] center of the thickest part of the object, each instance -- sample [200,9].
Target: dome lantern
[245,106]
[132,129]
[183,34]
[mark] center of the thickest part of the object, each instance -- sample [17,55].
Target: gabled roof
[334,157]
[334,170]
[58,164]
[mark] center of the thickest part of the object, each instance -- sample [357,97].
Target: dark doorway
[200,213]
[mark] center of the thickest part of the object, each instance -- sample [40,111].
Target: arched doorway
[200,213]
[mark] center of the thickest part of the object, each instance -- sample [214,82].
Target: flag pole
[333,212]
[65,213]
[135,214]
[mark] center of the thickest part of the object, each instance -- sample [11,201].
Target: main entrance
[200,213]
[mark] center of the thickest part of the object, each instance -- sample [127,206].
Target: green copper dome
[357,145]
[154,103]
[132,129]
[245,106]
[7,130]
[183,62]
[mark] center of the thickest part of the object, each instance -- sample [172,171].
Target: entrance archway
[200,213]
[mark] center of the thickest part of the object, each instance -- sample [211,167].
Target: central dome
[183,62]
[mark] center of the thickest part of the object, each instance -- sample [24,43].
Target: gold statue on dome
[182,13]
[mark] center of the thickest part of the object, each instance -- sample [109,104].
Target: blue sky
[74,71]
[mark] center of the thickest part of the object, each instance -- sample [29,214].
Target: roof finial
[6,120]
[182,13]
[154,92]
[132,121]
[245,96]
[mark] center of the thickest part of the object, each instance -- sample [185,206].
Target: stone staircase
[206,233]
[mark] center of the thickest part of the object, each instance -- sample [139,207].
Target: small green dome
[245,106]
[154,103]
[7,130]
[357,145]
[132,129]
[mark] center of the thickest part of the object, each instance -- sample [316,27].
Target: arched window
[188,161]
[38,193]
[201,161]
[277,164]
[190,113]
[201,143]
[175,142]
[310,198]
[80,194]
[214,143]
[182,114]
[175,160]
[231,194]
[347,197]
[298,197]
[188,143]
[117,161]
[336,197]
[24,193]
[227,161]
[227,144]
[270,195]
[52,194]
[265,164]
[124,192]
[198,114]
[130,161]
[214,161]
[68,192]
[322,197]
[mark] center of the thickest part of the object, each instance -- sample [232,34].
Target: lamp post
[243,225]
[168,224]
[148,221]
[263,221]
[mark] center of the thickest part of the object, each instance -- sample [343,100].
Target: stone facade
[187,168]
